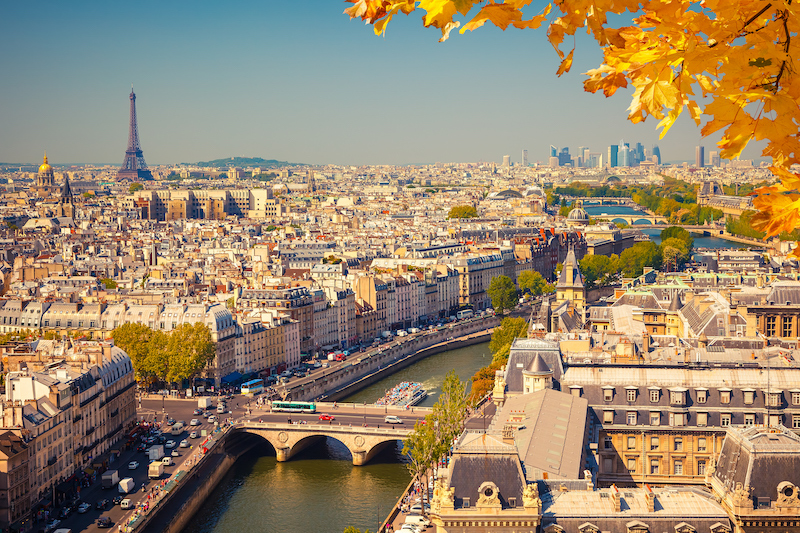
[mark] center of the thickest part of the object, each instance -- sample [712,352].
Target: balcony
[89,431]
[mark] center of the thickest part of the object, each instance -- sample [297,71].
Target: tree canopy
[135,187]
[462,211]
[730,63]
[503,293]
[171,357]
[532,282]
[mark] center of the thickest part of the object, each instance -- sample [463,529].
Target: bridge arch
[642,222]
[617,220]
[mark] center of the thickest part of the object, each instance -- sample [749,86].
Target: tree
[533,283]
[351,529]
[598,270]
[135,340]
[729,62]
[503,293]
[462,211]
[421,448]
[640,255]
[510,329]
[675,253]
[109,283]
[135,187]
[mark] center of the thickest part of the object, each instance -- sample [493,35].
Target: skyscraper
[657,153]
[713,159]
[524,158]
[699,157]
[581,157]
[613,154]
[553,151]
[564,158]
[506,160]
[624,154]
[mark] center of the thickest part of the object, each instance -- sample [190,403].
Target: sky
[296,81]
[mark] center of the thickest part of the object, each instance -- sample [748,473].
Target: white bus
[464,313]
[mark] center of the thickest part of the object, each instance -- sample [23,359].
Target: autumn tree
[598,270]
[462,211]
[642,254]
[730,63]
[509,329]
[503,293]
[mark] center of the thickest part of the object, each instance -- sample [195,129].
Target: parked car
[133,465]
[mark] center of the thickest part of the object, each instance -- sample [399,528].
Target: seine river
[319,490]
[655,232]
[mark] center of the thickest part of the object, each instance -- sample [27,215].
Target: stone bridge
[643,219]
[289,439]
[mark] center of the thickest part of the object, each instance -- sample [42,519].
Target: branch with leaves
[730,63]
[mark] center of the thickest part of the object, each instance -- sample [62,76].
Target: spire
[66,190]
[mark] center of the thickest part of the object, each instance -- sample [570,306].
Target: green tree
[88,195]
[674,253]
[462,211]
[135,187]
[109,283]
[510,328]
[533,283]
[189,350]
[598,270]
[503,293]
[421,448]
[564,209]
[640,255]
[678,233]
[135,340]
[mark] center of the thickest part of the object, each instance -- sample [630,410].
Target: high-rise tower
[134,167]
[699,156]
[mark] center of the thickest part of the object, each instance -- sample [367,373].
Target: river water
[655,231]
[319,490]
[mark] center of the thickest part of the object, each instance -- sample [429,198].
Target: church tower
[570,283]
[45,180]
[66,207]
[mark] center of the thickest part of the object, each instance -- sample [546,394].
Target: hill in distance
[246,162]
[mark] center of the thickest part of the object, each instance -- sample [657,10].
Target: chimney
[508,434]
[651,499]
[617,496]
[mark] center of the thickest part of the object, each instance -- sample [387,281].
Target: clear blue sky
[296,81]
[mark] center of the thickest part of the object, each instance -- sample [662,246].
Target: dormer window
[749,396]
[655,395]
[677,397]
[630,394]
[702,395]
[608,393]
[725,396]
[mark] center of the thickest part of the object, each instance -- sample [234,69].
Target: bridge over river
[360,427]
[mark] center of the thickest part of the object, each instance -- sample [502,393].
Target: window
[608,464]
[631,418]
[701,444]
[774,399]
[770,329]
[702,419]
[608,417]
[576,391]
[749,419]
[796,398]
[701,467]
[677,419]
[678,444]
[796,421]
[655,418]
[654,395]
[608,394]
[654,443]
[678,467]
[702,396]
[631,443]
[749,397]
[724,396]
[775,420]
[725,419]
[654,466]
[786,326]
[631,395]
[607,444]
[631,465]
[676,397]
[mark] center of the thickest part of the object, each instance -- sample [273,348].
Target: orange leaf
[566,64]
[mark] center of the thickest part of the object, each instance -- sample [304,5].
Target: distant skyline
[296,82]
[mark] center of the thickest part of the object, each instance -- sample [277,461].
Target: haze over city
[298,82]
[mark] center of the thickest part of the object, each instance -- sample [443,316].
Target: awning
[89,471]
[230,378]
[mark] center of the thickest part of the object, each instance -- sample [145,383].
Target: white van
[391,419]
[126,504]
[166,461]
[417,520]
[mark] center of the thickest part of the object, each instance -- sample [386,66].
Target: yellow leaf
[566,64]
[501,15]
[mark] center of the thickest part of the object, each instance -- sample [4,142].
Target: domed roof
[45,168]
[578,214]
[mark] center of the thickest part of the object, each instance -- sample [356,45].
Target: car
[104,522]
[133,465]
[170,444]
[102,504]
[212,419]
[116,500]
[141,448]
[326,416]
[84,508]
[197,412]
[52,524]
[207,414]
[65,512]
[392,419]
[194,422]
[193,435]
[184,443]
[170,421]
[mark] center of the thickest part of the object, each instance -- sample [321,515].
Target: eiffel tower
[133,167]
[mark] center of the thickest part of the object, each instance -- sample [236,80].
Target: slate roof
[523,352]
[577,279]
[469,470]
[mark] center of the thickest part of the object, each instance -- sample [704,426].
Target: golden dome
[45,168]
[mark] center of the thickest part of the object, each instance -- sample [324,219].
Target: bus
[464,313]
[251,388]
[294,407]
